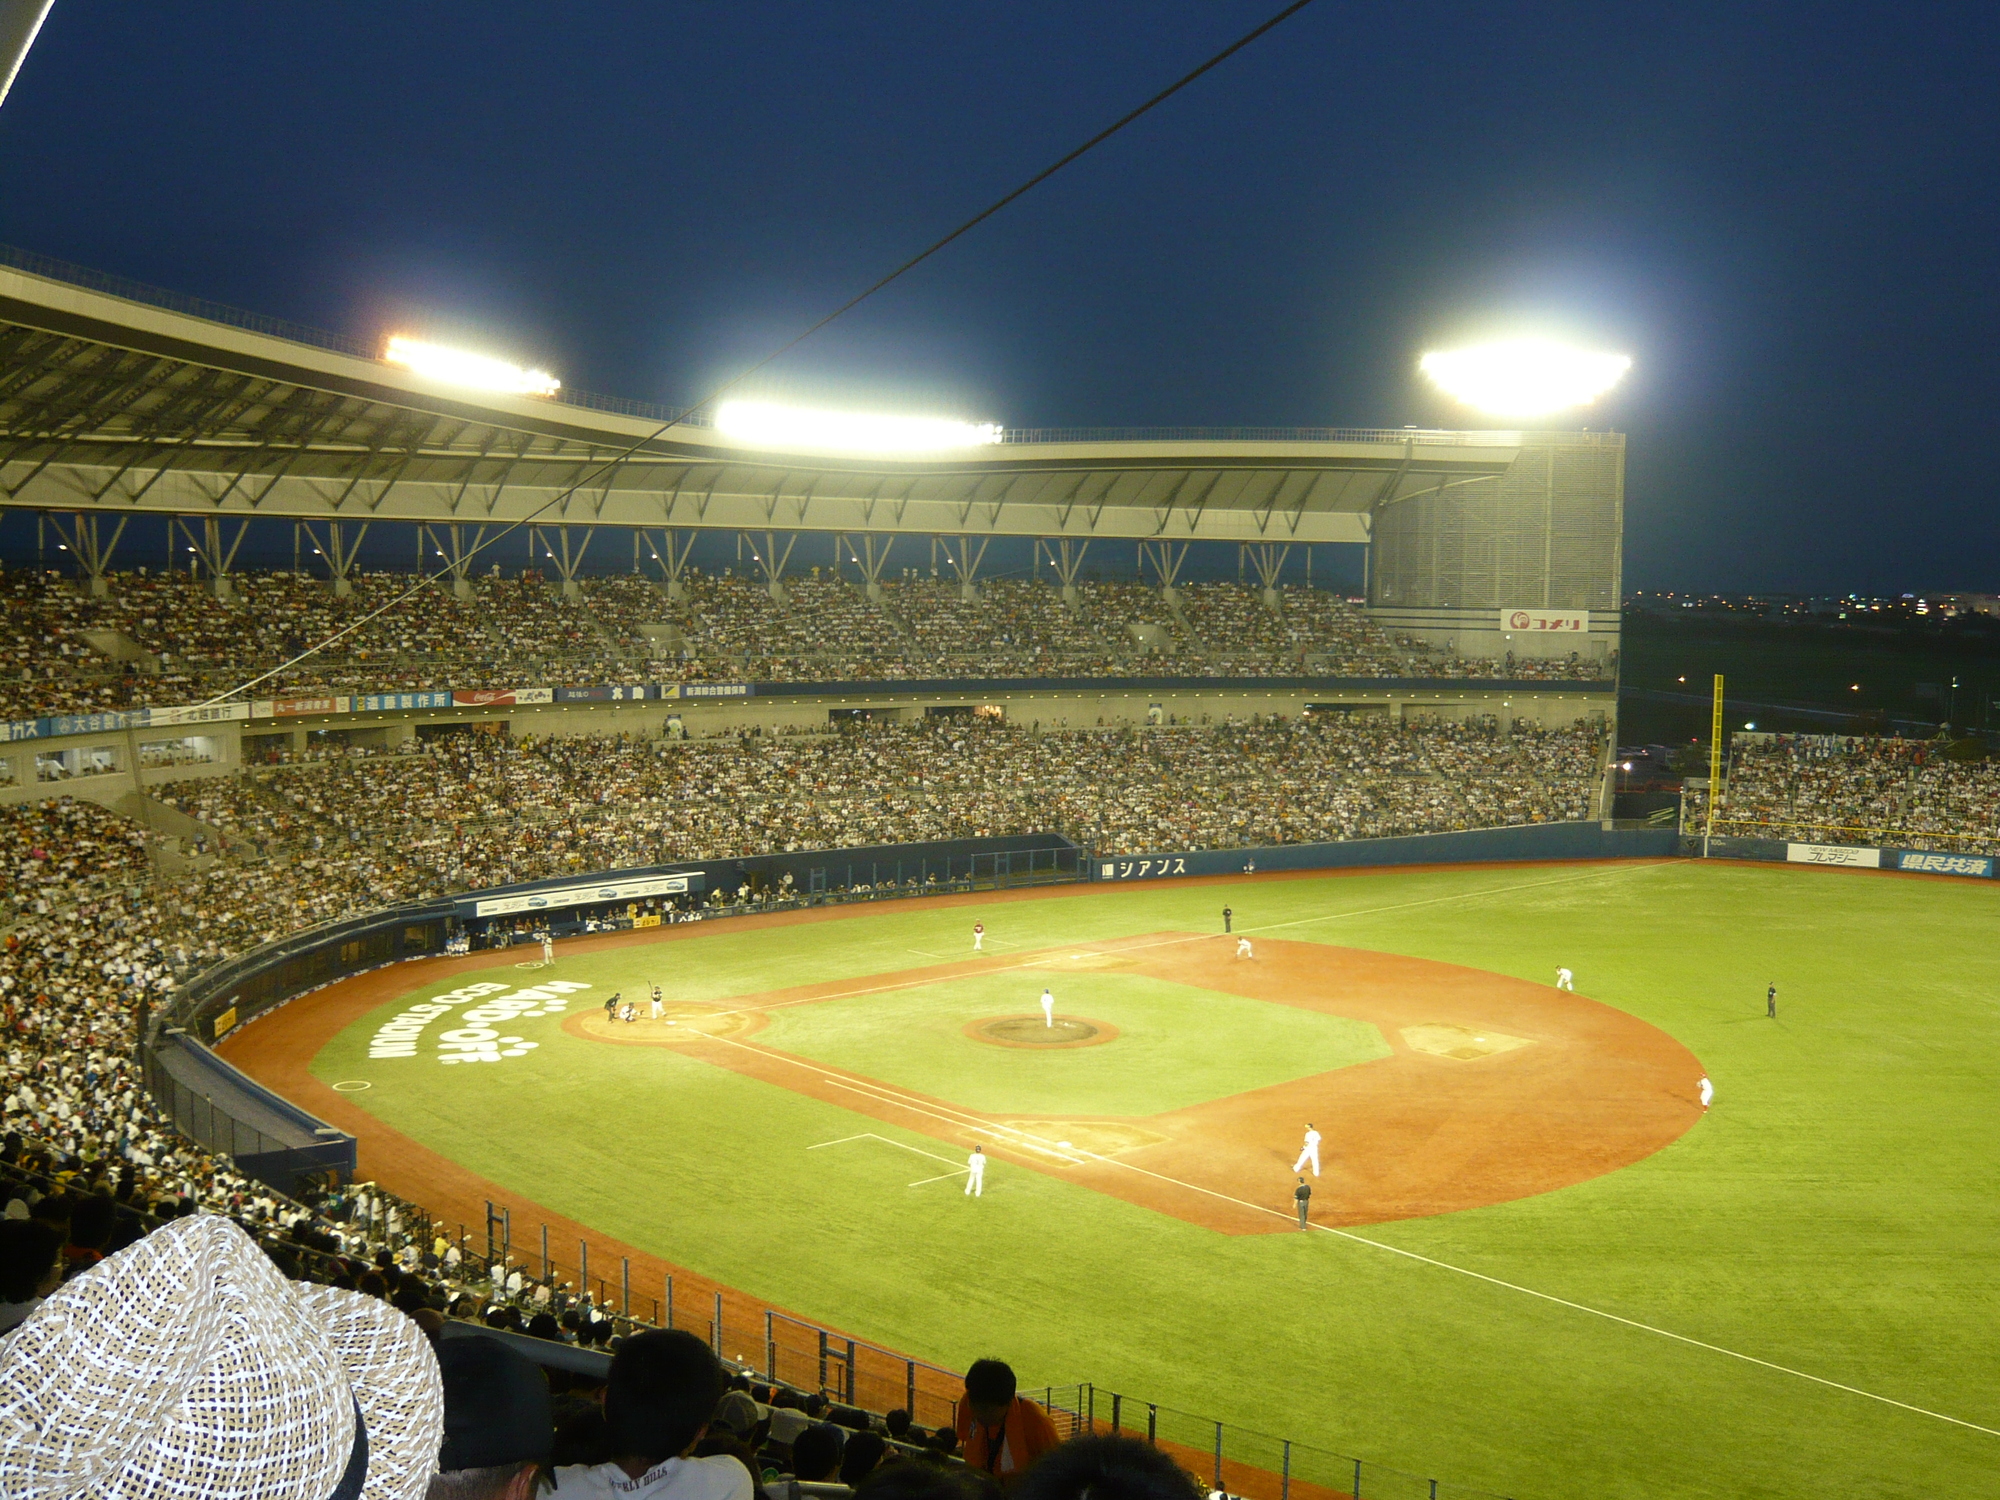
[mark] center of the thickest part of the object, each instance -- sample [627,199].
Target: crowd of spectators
[170,637]
[1836,789]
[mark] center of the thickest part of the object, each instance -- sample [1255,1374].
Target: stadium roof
[113,404]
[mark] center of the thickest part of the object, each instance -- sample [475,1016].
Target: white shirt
[976,1161]
[1312,1139]
[718,1477]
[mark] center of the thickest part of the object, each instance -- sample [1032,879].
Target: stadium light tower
[1520,378]
[458,367]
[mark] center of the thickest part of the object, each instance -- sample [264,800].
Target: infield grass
[1836,1213]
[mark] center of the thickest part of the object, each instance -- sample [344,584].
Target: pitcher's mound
[1035,1031]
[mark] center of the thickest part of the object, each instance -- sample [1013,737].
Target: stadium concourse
[155,639]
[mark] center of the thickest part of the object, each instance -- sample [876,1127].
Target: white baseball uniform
[548,949]
[656,1002]
[975,1181]
[1563,977]
[1309,1152]
[1707,1093]
[1048,1009]
[1243,948]
[978,936]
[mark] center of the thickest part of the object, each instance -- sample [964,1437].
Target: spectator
[1107,1467]
[897,1423]
[816,1454]
[861,1456]
[926,1481]
[499,1423]
[663,1389]
[30,1268]
[1003,1433]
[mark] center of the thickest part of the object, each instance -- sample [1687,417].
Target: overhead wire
[457,566]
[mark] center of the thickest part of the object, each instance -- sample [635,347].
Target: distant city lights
[1524,377]
[460,367]
[763,424]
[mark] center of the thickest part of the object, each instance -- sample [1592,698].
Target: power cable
[612,464]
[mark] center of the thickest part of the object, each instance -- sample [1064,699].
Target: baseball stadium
[1148,906]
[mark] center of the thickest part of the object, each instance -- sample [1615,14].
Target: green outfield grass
[1836,1213]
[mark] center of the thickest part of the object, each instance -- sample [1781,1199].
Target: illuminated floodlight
[460,367]
[762,424]
[1524,377]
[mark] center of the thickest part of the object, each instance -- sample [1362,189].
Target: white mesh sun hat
[185,1367]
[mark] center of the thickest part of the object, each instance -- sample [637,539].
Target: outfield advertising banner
[1834,854]
[500,697]
[1566,621]
[55,726]
[1926,863]
[707,690]
[583,894]
[375,703]
[614,694]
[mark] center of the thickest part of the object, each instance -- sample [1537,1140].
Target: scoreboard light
[763,424]
[461,367]
[1524,377]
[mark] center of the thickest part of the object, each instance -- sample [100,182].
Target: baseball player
[975,1181]
[656,1002]
[1243,948]
[1048,1007]
[1563,980]
[1302,1195]
[978,936]
[1771,1002]
[548,946]
[1707,1092]
[1227,917]
[1309,1152]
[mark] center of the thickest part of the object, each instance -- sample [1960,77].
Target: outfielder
[975,1181]
[1048,1007]
[1563,978]
[1309,1152]
[978,936]
[1243,948]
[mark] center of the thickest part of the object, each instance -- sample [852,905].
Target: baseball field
[1537,1265]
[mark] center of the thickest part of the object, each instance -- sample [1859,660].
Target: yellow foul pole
[1714,764]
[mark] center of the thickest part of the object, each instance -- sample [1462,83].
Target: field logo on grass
[476,1040]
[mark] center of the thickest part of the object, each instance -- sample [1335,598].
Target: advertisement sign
[1142,869]
[615,694]
[583,894]
[1833,854]
[376,703]
[1945,864]
[206,713]
[282,708]
[225,1022]
[1575,622]
[709,690]
[500,697]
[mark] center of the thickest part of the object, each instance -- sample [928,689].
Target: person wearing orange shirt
[1000,1432]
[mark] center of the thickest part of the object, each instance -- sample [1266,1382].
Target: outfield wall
[1844,856]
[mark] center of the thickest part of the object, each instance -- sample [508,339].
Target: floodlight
[460,367]
[763,424]
[1524,377]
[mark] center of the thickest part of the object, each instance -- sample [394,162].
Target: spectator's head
[944,1441]
[1107,1468]
[210,1374]
[816,1454]
[30,1259]
[737,1414]
[663,1389]
[499,1426]
[91,1223]
[897,1422]
[923,1481]
[861,1456]
[989,1390]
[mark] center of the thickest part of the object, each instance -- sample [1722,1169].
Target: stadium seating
[158,639]
[1836,789]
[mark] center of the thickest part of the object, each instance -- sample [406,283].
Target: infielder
[978,936]
[1308,1152]
[1563,980]
[1707,1092]
[1243,948]
[1048,1007]
[656,1002]
[975,1181]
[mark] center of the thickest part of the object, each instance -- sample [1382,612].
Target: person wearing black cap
[499,1424]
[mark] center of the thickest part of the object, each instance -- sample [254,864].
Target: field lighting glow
[460,367]
[1524,377]
[765,425]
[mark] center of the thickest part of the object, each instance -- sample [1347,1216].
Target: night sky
[1785,213]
